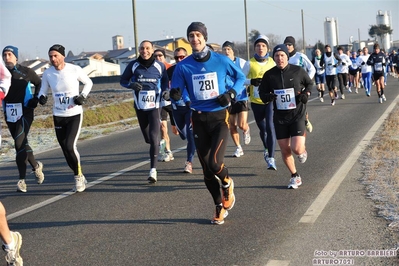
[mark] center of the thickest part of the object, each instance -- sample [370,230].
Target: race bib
[146,99]
[13,112]
[256,91]
[285,99]
[205,86]
[63,101]
[378,67]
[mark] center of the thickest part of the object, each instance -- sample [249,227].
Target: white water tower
[384,18]
[331,31]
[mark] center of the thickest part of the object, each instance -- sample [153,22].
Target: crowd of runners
[206,95]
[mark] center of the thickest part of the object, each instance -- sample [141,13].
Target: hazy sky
[88,25]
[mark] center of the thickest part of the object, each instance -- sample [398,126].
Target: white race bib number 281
[205,86]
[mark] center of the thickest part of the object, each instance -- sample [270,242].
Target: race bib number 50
[285,99]
[205,86]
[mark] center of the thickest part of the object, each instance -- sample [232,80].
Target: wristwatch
[232,95]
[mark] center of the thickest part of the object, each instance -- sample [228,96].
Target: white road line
[71,192]
[328,191]
[278,263]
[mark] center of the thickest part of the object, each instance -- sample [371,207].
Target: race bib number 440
[285,99]
[205,86]
[147,99]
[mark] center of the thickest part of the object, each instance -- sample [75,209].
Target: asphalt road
[122,220]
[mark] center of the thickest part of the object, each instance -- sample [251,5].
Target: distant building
[38,65]
[117,42]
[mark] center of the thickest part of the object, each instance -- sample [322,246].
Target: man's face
[281,59]
[56,59]
[179,55]
[9,59]
[318,53]
[290,47]
[340,52]
[261,49]
[328,49]
[228,52]
[146,50]
[159,56]
[197,41]
[365,51]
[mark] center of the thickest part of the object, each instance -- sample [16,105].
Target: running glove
[363,63]
[175,94]
[2,94]
[79,100]
[225,99]
[43,99]
[166,95]
[268,97]
[256,82]
[343,63]
[136,86]
[32,103]
[303,97]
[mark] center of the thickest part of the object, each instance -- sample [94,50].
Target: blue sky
[88,25]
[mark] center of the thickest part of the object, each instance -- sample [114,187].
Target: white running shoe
[266,155]
[383,97]
[303,157]
[271,164]
[39,172]
[321,99]
[349,90]
[295,182]
[152,177]
[343,96]
[247,136]
[380,100]
[357,90]
[332,102]
[188,168]
[238,153]
[80,183]
[13,258]
[21,186]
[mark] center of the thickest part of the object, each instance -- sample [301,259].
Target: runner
[288,87]
[63,80]
[148,79]
[354,71]
[377,61]
[342,71]
[320,77]
[202,76]
[238,109]
[19,105]
[366,70]
[181,113]
[329,61]
[263,113]
[11,240]
[300,59]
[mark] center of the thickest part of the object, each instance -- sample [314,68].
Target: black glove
[256,82]
[335,65]
[32,103]
[175,94]
[188,104]
[303,97]
[79,100]
[166,95]
[343,63]
[363,63]
[43,100]
[268,97]
[136,86]
[224,99]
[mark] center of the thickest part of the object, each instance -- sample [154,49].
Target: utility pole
[303,33]
[246,28]
[135,29]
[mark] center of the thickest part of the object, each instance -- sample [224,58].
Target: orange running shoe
[228,198]
[220,214]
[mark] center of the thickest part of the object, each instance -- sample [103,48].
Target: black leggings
[67,130]
[150,125]
[24,153]
[211,133]
[343,81]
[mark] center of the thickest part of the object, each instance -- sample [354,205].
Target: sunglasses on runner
[181,57]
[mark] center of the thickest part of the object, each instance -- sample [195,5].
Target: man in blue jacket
[201,77]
